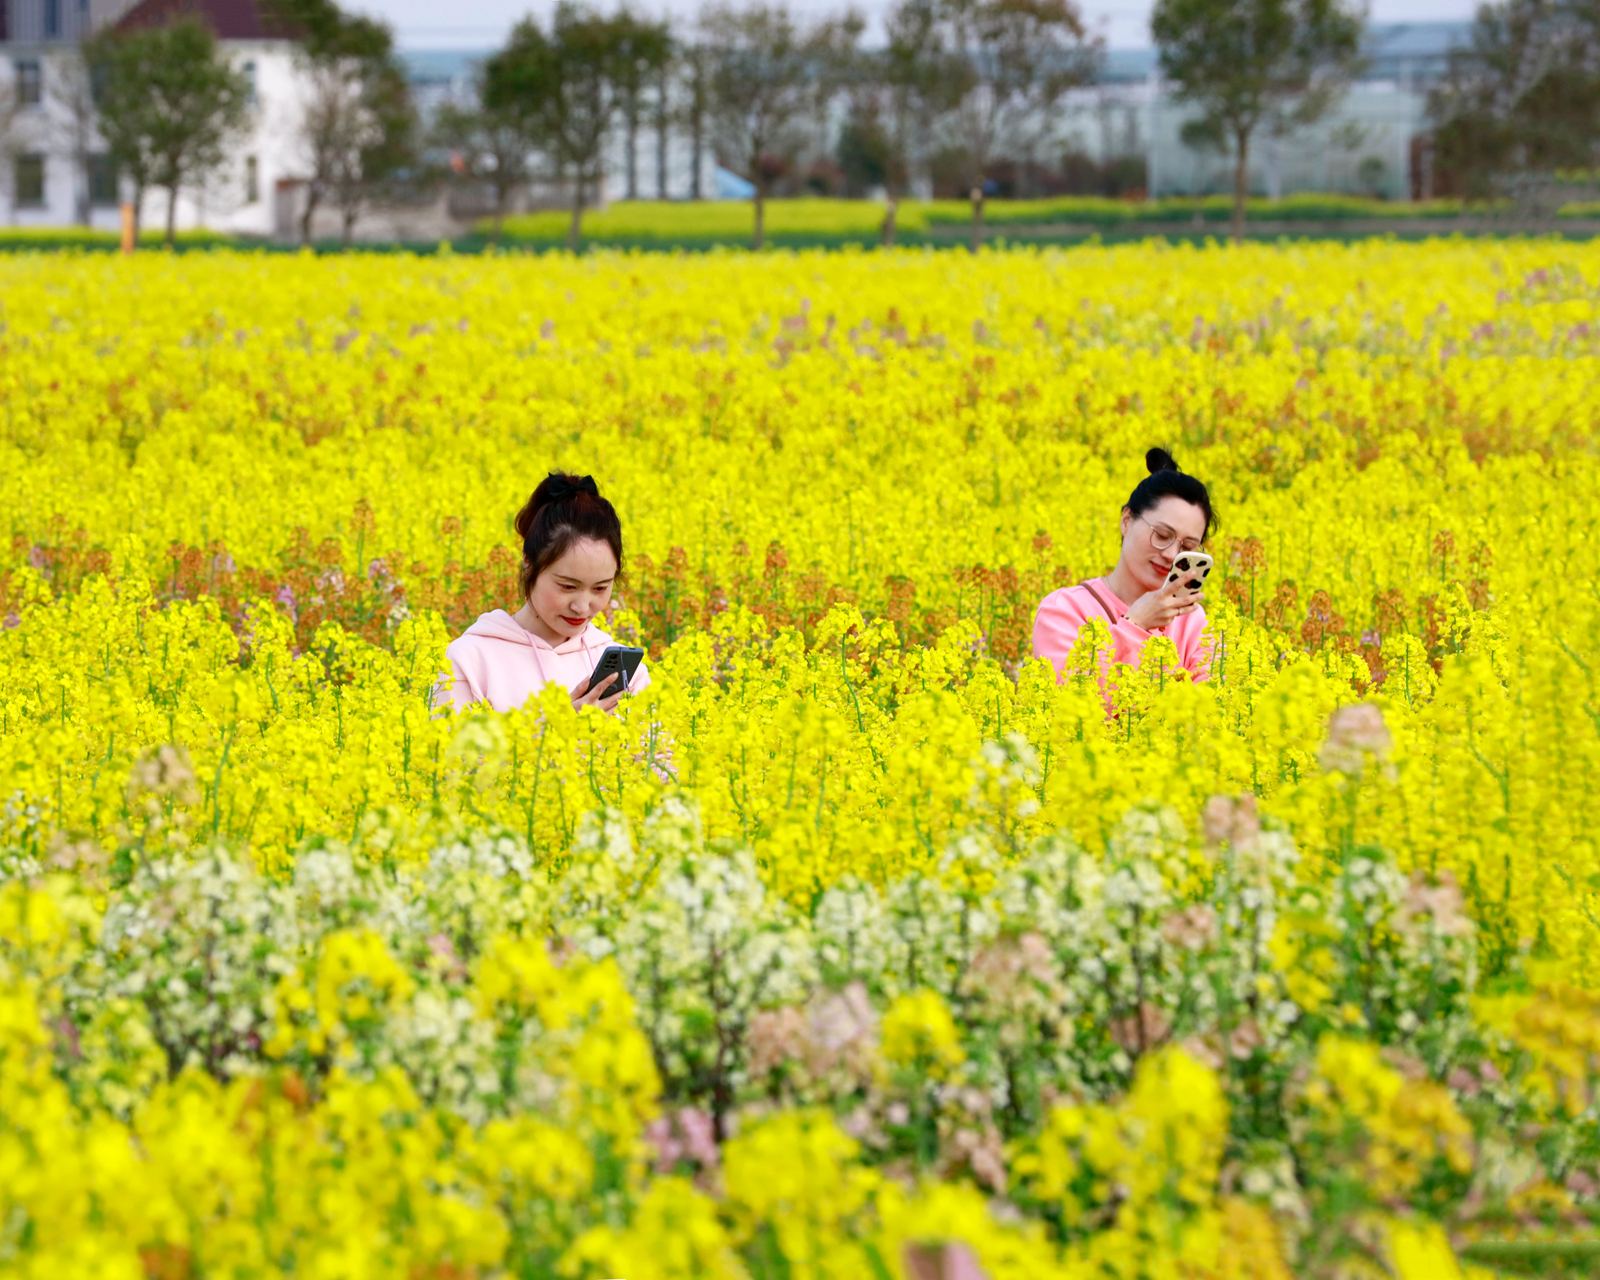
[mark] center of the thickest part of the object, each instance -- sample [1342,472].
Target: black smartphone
[620,660]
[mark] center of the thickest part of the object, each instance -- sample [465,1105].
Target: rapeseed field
[857,940]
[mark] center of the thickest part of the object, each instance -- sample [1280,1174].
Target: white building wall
[271,139]
[41,129]
[42,21]
[224,204]
[1363,147]
[680,167]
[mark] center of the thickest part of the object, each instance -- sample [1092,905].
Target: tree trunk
[502,197]
[575,229]
[697,126]
[633,146]
[888,223]
[977,217]
[311,209]
[1241,183]
[83,209]
[661,138]
[759,235]
[138,209]
[172,215]
[350,216]
[696,156]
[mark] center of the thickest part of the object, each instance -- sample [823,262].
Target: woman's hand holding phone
[584,696]
[1157,608]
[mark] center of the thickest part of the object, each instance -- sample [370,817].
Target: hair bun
[556,487]
[1160,460]
[559,487]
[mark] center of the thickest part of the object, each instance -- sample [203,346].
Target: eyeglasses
[1162,538]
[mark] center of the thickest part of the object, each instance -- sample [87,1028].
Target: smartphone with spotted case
[1193,568]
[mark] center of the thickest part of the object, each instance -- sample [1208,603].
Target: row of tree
[756,86]
[973,76]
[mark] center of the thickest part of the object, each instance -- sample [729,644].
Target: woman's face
[1150,541]
[575,588]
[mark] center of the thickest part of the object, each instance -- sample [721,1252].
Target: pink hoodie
[1062,614]
[498,662]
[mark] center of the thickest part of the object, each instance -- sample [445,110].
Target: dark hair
[563,510]
[1165,480]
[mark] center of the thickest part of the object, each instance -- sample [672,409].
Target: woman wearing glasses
[1168,512]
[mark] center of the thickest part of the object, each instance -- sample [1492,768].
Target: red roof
[228,19]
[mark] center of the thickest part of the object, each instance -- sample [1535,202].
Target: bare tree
[759,70]
[358,123]
[838,65]
[340,129]
[695,61]
[496,146]
[333,130]
[1011,63]
[11,141]
[641,54]
[73,124]
[663,118]
[924,80]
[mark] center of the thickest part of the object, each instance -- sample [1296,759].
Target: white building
[53,168]
[1363,147]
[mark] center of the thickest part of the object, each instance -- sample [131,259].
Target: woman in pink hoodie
[1167,512]
[571,556]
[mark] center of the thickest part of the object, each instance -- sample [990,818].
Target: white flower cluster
[1060,967]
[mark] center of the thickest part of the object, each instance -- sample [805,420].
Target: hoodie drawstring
[533,644]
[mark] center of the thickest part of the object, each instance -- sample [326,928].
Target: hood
[501,626]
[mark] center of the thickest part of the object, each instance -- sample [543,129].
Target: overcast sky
[482,24]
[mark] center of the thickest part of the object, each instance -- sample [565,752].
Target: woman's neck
[1122,584]
[534,625]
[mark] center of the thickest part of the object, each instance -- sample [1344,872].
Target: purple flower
[687,1135]
[285,599]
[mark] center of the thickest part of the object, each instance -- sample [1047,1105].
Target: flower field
[855,942]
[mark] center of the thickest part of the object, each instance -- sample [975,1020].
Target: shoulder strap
[1111,617]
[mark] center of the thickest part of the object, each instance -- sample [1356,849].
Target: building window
[52,19]
[252,180]
[30,83]
[250,80]
[102,180]
[28,181]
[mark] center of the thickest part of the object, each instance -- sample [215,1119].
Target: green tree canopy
[570,83]
[1249,63]
[169,104]
[1524,95]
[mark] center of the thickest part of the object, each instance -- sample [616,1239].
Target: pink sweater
[1062,614]
[497,662]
